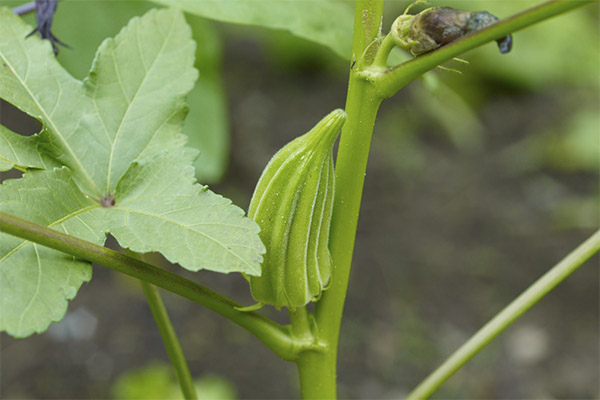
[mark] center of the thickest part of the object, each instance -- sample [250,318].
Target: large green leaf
[159,207]
[327,22]
[35,281]
[118,134]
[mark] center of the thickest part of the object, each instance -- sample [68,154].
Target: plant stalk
[170,341]
[274,336]
[318,368]
[507,316]
[317,377]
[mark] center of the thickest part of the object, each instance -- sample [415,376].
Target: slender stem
[274,336]
[507,316]
[170,340]
[392,80]
[387,45]
[301,328]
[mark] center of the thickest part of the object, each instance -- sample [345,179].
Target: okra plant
[112,158]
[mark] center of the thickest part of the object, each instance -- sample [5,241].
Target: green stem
[301,329]
[274,336]
[170,340]
[507,316]
[318,368]
[315,368]
[381,59]
[391,81]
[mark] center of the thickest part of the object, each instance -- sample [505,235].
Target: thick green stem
[507,316]
[318,368]
[317,371]
[274,336]
[170,340]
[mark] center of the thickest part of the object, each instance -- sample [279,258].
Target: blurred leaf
[571,147]
[156,381]
[206,126]
[295,55]
[575,146]
[577,213]
[213,387]
[327,22]
[451,111]
[35,281]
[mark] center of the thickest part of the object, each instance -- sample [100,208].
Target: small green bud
[292,203]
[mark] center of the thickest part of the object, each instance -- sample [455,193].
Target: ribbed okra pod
[292,204]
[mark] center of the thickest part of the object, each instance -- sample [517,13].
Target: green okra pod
[292,203]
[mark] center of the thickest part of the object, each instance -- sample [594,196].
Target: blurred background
[477,184]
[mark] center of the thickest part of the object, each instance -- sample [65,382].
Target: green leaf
[138,82]
[159,207]
[123,110]
[19,151]
[117,133]
[32,80]
[35,281]
[206,125]
[327,22]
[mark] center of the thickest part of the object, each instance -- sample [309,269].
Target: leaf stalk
[170,340]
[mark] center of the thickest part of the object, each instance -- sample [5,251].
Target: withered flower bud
[437,26]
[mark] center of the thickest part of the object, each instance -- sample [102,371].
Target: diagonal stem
[507,316]
[276,337]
